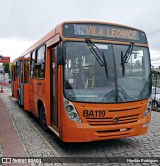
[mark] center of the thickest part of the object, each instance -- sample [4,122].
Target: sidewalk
[18,138]
[10,145]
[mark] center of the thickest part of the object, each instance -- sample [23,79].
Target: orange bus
[20,77]
[87,81]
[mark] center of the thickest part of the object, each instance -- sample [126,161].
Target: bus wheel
[42,119]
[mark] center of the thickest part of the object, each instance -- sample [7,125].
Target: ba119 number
[94,113]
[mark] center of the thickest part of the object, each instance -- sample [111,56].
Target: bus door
[26,84]
[54,96]
[31,95]
[32,82]
[16,80]
[21,92]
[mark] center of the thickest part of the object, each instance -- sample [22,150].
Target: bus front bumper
[82,132]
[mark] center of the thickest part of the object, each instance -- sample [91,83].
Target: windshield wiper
[103,62]
[126,57]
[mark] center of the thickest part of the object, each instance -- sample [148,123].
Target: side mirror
[60,57]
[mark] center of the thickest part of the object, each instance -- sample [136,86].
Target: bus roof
[58,29]
[101,22]
[15,60]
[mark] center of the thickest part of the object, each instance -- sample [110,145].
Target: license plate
[94,113]
[123,129]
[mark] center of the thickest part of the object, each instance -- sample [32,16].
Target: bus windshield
[98,73]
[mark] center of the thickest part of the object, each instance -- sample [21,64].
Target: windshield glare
[86,79]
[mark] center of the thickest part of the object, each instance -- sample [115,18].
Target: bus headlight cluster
[148,109]
[69,108]
[71,111]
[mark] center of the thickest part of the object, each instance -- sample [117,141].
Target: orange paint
[49,93]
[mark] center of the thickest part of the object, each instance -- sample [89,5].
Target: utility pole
[1,64]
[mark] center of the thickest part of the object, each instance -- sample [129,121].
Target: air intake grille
[110,120]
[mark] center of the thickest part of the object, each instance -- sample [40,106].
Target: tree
[6,67]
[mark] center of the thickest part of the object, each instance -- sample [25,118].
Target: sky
[23,22]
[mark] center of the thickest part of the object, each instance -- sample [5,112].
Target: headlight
[73,115]
[148,109]
[71,111]
[69,108]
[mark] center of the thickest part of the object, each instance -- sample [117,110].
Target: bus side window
[26,70]
[40,63]
[32,65]
[17,69]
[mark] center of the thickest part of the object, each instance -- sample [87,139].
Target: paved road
[141,146]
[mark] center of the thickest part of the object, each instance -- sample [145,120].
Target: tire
[155,104]
[42,118]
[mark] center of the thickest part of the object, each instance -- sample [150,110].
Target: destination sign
[102,31]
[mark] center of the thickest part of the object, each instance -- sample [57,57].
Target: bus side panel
[16,83]
[12,87]
[26,97]
[32,90]
[21,93]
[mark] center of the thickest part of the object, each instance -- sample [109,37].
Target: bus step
[53,130]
